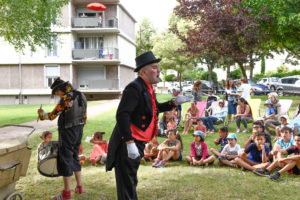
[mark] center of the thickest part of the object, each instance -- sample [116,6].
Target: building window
[90,43]
[53,50]
[52,72]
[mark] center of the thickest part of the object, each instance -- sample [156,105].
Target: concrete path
[8,133]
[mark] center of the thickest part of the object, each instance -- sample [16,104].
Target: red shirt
[200,128]
[152,129]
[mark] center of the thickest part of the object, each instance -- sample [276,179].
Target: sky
[158,11]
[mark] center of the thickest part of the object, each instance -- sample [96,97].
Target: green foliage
[170,77]
[236,74]
[28,23]
[282,69]
[192,75]
[145,36]
[259,76]
[205,75]
[167,46]
[284,26]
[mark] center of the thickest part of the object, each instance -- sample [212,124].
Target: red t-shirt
[152,129]
[200,128]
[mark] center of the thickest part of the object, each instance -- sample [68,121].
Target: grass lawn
[176,181]
[17,114]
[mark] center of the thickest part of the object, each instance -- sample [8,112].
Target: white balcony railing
[96,54]
[94,22]
[110,84]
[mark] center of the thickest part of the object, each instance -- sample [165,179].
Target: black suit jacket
[135,107]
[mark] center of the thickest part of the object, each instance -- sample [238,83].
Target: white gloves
[132,150]
[180,99]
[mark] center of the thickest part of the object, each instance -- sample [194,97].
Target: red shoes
[78,189]
[65,195]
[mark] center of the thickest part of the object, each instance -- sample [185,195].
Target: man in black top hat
[137,117]
[72,117]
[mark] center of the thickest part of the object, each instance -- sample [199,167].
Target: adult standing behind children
[246,89]
[72,117]
[232,98]
[137,117]
[196,92]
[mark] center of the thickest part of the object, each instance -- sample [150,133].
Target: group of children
[256,155]
[98,154]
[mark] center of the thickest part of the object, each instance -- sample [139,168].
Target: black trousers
[68,149]
[126,172]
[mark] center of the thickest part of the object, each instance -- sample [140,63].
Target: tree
[145,37]
[236,74]
[263,65]
[170,77]
[28,23]
[284,27]
[167,46]
[205,76]
[225,28]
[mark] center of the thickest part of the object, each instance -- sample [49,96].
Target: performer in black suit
[137,118]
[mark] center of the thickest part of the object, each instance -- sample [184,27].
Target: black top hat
[58,83]
[145,59]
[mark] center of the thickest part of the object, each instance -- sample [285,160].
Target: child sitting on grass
[172,123]
[291,163]
[223,132]
[284,120]
[283,143]
[170,149]
[200,127]
[231,151]
[259,154]
[99,151]
[258,128]
[151,149]
[46,137]
[199,154]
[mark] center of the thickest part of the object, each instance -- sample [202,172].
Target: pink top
[203,149]
[98,150]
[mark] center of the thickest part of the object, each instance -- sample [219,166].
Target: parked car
[259,89]
[288,85]
[173,87]
[205,88]
[271,82]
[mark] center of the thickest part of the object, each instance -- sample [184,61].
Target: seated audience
[231,151]
[190,118]
[223,132]
[243,115]
[151,149]
[258,154]
[200,127]
[199,154]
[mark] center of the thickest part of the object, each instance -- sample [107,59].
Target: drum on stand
[47,159]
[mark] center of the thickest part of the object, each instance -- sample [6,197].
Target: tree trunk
[263,65]
[243,71]
[210,68]
[179,78]
[251,66]
[228,72]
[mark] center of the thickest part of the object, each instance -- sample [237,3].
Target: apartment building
[94,50]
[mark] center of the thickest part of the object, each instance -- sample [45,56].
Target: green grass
[176,181]
[17,114]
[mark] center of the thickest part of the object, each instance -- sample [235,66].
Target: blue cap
[232,136]
[268,102]
[200,133]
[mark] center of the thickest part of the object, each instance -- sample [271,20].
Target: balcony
[110,85]
[105,54]
[93,22]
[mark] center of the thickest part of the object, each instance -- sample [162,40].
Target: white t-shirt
[232,151]
[246,88]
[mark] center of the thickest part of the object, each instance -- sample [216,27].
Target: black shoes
[261,172]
